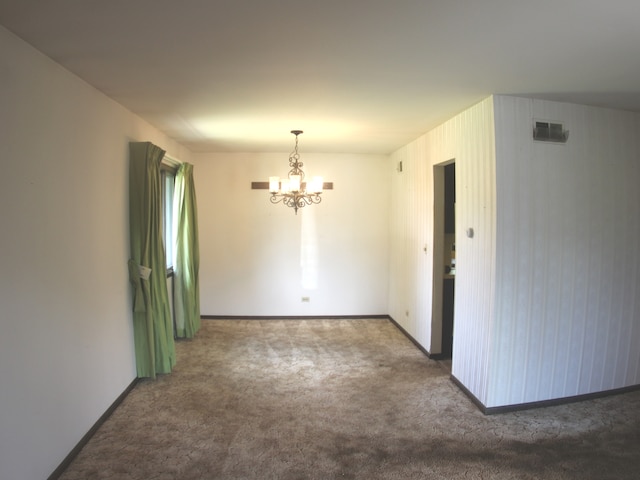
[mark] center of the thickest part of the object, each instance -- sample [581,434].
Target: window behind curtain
[168,174]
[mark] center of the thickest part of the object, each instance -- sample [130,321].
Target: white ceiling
[363,76]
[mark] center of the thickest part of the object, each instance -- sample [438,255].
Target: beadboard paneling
[567,261]
[545,291]
[467,139]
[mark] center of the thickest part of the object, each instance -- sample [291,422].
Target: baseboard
[559,401]
[471,396]
[293,317]
[542,403]
[520,406]
[85,439]
[436,356]
[432,356]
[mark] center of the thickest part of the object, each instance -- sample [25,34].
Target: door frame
[438,274]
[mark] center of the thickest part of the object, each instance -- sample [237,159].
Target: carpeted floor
[342,399]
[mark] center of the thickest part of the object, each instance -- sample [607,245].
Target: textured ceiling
[357,76]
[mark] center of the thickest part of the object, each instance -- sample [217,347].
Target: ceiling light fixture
[294,191]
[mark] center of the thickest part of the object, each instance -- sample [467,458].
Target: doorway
[444,260]
[448,288]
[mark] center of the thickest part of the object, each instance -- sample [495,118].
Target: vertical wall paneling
[567,257]
[467,138]
[546,289]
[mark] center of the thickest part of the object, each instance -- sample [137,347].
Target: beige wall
[545,291]
[261,259]
[66,346]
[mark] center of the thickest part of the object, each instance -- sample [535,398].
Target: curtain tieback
[137,273]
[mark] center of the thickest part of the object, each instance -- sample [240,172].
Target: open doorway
[444,260]
[448,289]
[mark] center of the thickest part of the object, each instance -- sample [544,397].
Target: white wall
[468,138]
[567,320]
[66,346]
[250,250]
[555,248]
[411,229]
[545,291]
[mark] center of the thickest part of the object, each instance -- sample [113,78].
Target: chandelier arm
[276,198]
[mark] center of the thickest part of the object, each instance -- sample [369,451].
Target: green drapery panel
[152,323]
[186,288]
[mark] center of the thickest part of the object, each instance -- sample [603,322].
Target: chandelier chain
[294,159]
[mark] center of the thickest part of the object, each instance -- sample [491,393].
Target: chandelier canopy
[293,191]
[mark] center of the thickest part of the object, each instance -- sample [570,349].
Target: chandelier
[293,191]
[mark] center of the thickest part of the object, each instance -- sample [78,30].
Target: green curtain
[186,288]
[152,323]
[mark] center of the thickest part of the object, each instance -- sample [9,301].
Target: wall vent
[549,132]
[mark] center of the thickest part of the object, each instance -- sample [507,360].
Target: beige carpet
[343,399]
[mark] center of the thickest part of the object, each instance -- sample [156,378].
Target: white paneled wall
[546,289]
[469,139]
[408,235]
[476,207]
[568,262]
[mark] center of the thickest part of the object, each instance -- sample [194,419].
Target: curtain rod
[171,161]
